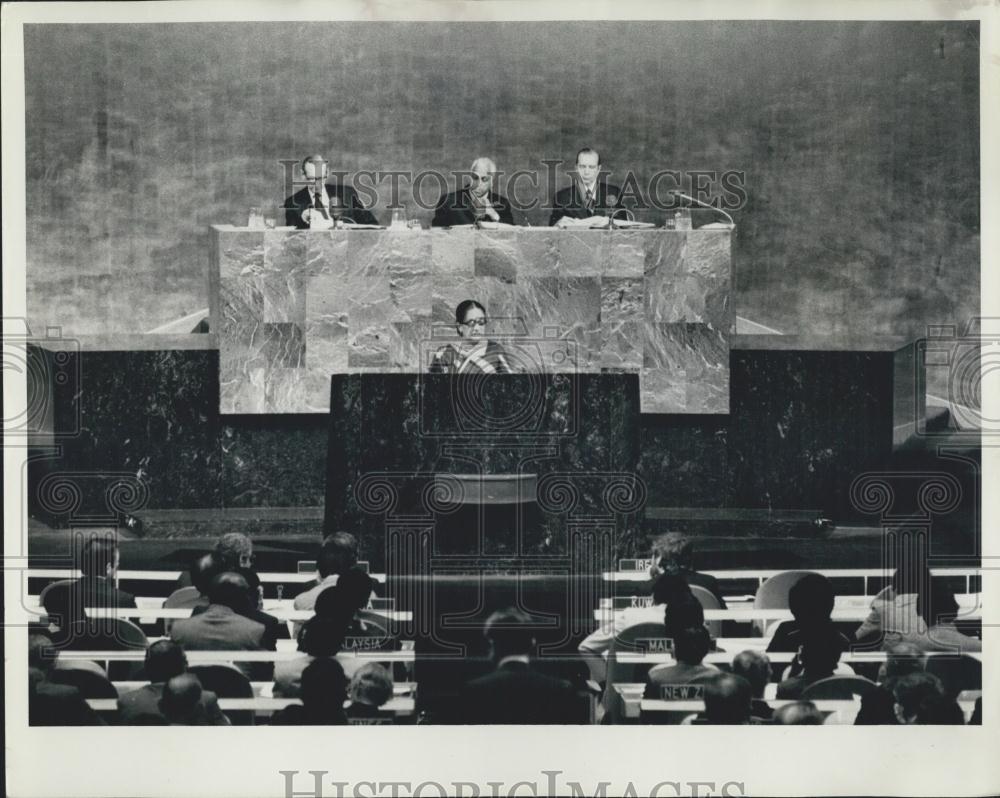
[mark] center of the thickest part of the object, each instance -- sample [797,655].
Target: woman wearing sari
[473,353]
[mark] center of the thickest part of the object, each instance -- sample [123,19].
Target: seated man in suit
[51,704]
[324,691]
[165,660]
[477,202]
[233,550]
[727,700]
[328,202]
[223,625]
[590,199]
[819,657]
[182,701]
[755,667]
[95,588]
[801,713]
[878,704]
[811,602]
[201,573]
[690,647]
[337,555]
[673,553]
[515,692]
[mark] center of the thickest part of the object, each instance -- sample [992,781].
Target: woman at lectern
[473,353]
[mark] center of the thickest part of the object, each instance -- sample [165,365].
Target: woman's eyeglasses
[475,323]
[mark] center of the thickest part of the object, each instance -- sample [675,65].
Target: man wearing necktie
[589,199]
[476,202]
[327,200]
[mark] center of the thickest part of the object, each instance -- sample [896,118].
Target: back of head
[180,699]
[371,685]
[322,636]
[672,553]
[230,590]
[41,655]
[903,658]
[234,550]
[727,699]
[939,710]
[509,633]
[324,684]
[164,660]
[811,599]
[668,588]
[910,691]
[820,653]
[799,713]
[350,594]
[755,667]
[692,644]
[202,572]
[683,612]
[99,554]
[338,554]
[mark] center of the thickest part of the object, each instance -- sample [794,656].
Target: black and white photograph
[531,381]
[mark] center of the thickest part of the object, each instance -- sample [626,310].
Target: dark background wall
[859,142]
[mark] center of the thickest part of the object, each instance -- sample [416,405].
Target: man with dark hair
[223,625]
[51,704]
[878,704]
[800,713]
[164,660]
[328,201]
[515,692]
[811,602]
[912,690]
[201,573]
[324,691]
[727,699]
[755,667]
[819,657]
[337,555]
[588,200]
[673,553]
[690,647]
[65,602]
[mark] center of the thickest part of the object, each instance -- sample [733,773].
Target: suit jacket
[456,208]
[679,673]
[273,628]
[517,693]
[349,200]
[570,201]
[51,704]
[219,628]
[87,591]
[145,701]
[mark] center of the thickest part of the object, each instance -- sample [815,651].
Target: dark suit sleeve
[442,213]
[558,210]
[293,218]
[503,208]
[359,213]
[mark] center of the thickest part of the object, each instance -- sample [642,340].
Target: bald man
[801,713]
[728,699]
[476,202]
[320,203]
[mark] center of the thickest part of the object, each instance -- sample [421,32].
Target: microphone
[336,209]
[704,205]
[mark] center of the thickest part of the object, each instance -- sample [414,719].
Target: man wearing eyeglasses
[477,202]
[319,204]
[473,353]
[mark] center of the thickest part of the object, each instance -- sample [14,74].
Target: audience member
[755,667]
[64,602]
[324,691]
[811,602]
[181,701]
[318,637]
[368,690]
[938,609]
[337,555]
[345,599]
[939,710]
[728,699]
[232,551]
[893,617]
[673,553]
[800,713]
[819,657]
[51,704]
[911,691]
[878,704]
[515,692]
[165,660]
[690,647]
[201,573]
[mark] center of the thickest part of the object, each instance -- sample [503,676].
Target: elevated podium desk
[293,307]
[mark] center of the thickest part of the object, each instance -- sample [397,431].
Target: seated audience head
[811,599]
[692,644]
[321,636]
[668,588]
[673,553]
[682,613]
[234,550]
[181,698]
[350,594]
[910,691]
[41,655]
[255,590]
[728,699]
[798,713]
[202,571]
[755,667]
[100,557]
[230,590]
[936,604]
[371,684]
[939,710]
[819,655]
[901,659]
[338,554]
[508,633]
[324,686]
[165,659]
